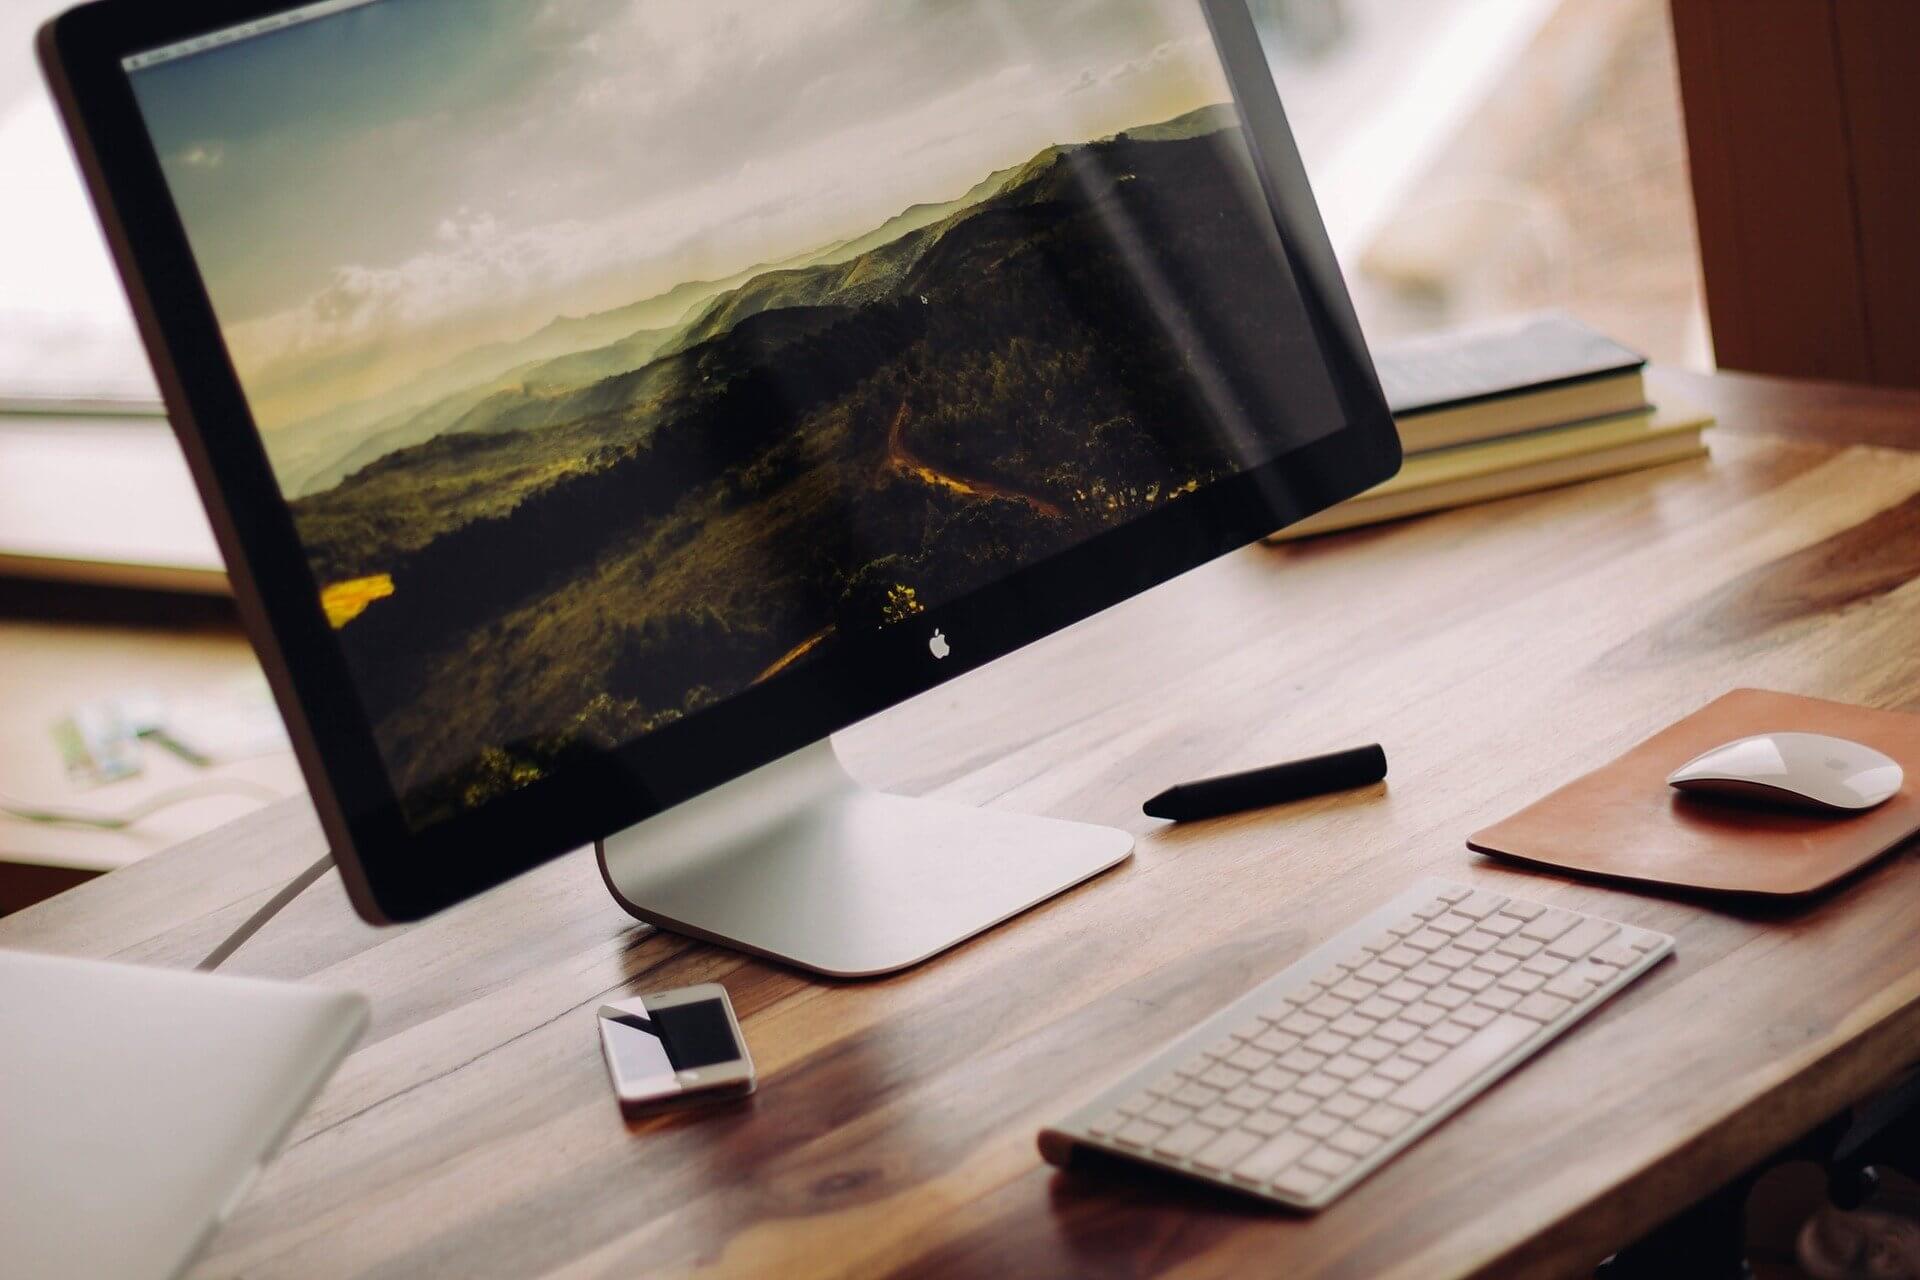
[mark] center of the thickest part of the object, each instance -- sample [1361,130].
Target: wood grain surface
[1496,652]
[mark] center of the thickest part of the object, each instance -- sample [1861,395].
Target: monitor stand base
[799,863]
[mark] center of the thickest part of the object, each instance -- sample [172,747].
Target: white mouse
[1808,769]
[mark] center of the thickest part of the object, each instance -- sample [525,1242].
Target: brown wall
[1803,120]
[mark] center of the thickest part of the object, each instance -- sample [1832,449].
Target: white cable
[294,888]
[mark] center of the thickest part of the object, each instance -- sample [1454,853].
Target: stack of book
[1540,402]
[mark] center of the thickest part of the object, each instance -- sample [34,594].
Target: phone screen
[662,1041]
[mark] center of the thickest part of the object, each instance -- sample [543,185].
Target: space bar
[1469,1058]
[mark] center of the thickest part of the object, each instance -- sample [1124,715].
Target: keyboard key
[1223,1077]
[1403,992]
[1248,1098]
[1427,940]
[1328,1161]
[1496,964]
[1478,905]
[1379,1008]
[1402,957]
[1642,942]
[1372,1088]
[1498,999]
[1542,1008]
[1293,1104]
[1448,997]
[1372,1049]
[1545,965]
[1398,1070]
[1518,948]
[1549,925]
[1522,911]
[1184,1141]
[1430,908]
[1329,1007]
[1428,975]
[1327,1042]
[1107,1123]
[1228,1150]
[1584,938]
[1570,986]
[1588,970]
[1471,980]
[1196,1096]
[1221,1116]
[1451,958]
[1276,1042]
[1320,1085]
[1448,1033]
[1354,989]
[1345,1106]
[1423,1014]
[1300,1181]
[1250,1060]
[1385,1120]
[1522,982]
[1270,1158]
[1452,893]
[1353,1142]
[1453,924]
[1266,1123]
[1500,924]
[1424,1051]
[1301,1024]
[1318,1125]
[1441,1080]
[1168,1114]
[1397,1032]
[1353,1026]
[1332,975]
[1346,1067]
[1139,1133]
[1473,1017]
[1479,941]
[1302,1060]
[1274,1079]
[1617,954]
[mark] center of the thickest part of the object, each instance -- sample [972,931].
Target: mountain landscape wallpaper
[641,350]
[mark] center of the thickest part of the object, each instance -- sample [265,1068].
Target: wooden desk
[1496,652]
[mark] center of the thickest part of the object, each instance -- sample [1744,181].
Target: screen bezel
[394,873]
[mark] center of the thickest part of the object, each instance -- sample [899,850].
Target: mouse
[1805,770]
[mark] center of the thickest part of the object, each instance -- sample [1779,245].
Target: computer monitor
[600,403]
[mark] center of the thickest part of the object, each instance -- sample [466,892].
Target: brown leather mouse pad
[1625,822]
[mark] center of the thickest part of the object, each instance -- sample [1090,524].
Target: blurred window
[1475,158]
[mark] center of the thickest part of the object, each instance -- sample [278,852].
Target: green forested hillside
[839,448]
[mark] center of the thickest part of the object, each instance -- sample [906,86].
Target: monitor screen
[614,357]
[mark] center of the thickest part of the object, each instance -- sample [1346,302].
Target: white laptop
[137,1105]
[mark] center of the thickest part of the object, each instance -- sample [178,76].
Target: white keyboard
[1307,1084]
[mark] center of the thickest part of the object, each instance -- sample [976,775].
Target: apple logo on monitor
[938,646]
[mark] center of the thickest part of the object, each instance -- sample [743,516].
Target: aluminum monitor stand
[798,862]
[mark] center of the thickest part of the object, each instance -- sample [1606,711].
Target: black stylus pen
[1273,785]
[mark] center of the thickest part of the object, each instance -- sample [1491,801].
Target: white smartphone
[675,1047]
